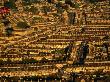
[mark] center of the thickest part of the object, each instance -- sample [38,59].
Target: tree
[22,25]
[73,76]
[33,9]
[58,5]
[58,52]
[68,51]
[9,31]
[29,2]
[82,30]
[10,4]
[44,59]
[5,21]
[45,9]
[105,45]
[93,1]
[106,37]
[76,5]
[26,60]
[68,2]
[36,19]
[71,16]
[8,61]
[49,1]
[1,62]
[82,52]
[98,74]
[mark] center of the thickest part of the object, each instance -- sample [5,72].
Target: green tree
[45,9]
[1,62]
[22,25]
[44,59]
[9,31]
[76,5]
[93,1]
[27,60]
[10,4]
[33,9]
[29,2]
[58,51]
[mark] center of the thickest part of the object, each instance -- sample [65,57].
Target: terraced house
[55,41]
